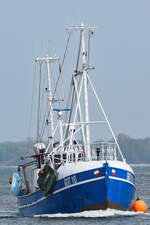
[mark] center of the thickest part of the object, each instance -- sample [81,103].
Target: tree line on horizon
[134,150]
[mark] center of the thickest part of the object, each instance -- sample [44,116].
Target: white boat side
[73,168]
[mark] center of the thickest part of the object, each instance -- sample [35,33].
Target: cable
[65,54]
[31,107]
[77,64]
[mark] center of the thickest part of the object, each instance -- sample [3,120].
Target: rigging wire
[46,117]
[68,100]
[41,97]
[73,94]
[63,91]
[43,126]
[64,57]
[43,112]
[31,107]
[79,50]
[62,64]
[70,114]
[72,106]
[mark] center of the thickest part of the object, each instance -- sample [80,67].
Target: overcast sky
[121,55]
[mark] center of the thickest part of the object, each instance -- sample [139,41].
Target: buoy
[140,206]
[10,180]
[59,68]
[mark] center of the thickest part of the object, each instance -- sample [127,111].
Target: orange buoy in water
[60,68]
[10,180]
[140,206]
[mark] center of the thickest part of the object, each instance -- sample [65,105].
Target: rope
[65,54]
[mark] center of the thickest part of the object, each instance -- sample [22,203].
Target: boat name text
[70,180]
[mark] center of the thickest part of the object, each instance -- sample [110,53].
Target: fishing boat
[68,174]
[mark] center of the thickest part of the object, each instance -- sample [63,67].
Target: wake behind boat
[70,174]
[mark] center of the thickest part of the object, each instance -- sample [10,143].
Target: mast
[85,82]
[48,60]
[85,88]
[39,102]
[50,99]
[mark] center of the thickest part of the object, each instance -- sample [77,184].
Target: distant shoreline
[6,167]
[139,164]
[131,164]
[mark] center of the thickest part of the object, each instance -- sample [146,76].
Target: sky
[120,54]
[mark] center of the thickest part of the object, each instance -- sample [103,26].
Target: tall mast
[48,60]
[39,102]
[85,81]
[50,98]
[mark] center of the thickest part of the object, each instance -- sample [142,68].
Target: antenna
[80,28]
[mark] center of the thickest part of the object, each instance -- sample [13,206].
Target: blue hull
[99,188]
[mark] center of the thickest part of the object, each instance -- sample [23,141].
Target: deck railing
[104,151]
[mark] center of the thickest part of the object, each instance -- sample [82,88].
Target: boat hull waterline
[106,186]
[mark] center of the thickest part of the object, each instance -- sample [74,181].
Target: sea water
[9,213]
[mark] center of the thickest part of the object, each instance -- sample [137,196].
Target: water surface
[9,213]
